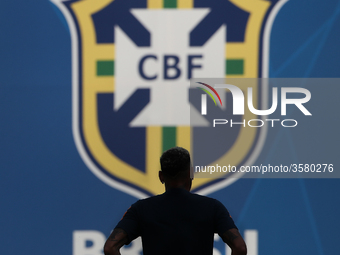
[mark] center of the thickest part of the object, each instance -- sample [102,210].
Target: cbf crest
[132,61]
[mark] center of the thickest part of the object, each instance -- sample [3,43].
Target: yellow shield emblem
[129,61]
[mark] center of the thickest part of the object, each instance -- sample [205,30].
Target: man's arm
[115,241]
[235,241]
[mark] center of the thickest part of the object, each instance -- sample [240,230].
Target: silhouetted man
[176,222]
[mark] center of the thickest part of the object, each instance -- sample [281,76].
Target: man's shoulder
[186,195]
[179,193]
[152,199]
[204,198]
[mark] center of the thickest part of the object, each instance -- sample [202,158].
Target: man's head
[175,168]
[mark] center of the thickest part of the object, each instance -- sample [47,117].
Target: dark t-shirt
[176,222]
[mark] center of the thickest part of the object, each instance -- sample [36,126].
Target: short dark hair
[175,161]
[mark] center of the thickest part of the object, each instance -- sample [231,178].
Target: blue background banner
[52,203]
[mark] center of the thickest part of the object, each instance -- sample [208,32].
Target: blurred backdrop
[93,91]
